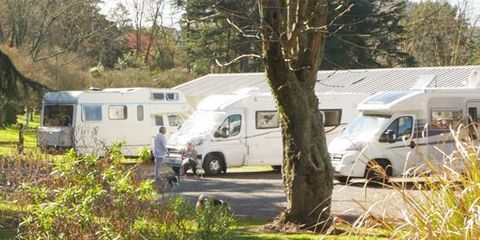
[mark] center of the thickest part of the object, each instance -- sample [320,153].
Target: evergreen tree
[13,88]
[365,34]
[208,37]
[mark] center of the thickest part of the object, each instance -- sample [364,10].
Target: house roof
[336,81]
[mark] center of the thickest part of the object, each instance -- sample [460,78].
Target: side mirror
[388,136]
[225,132]
[391,136]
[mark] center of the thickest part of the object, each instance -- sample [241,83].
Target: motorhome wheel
[378,170]
[277,168]
[213,164]
[343,179]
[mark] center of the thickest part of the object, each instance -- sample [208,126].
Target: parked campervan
[401,131]
[91,120]
[243,129]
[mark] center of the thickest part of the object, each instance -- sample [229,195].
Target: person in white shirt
[163,170]
[159,150]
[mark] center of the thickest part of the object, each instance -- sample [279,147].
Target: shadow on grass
[248,228]
[9,220]
[6,233]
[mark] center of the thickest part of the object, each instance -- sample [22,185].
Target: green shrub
[213,222]
[88,197]
[92,197]
[128,60]
[144,154]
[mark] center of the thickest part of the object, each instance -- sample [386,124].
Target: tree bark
[292,52]
[2,37]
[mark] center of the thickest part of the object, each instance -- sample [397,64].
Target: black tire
[343,179]
[378,170]
[214,165]
[277,168]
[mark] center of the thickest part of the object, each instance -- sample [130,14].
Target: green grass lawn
[7,233]
[9,136]
[252,229]
[9,218]
[33,123]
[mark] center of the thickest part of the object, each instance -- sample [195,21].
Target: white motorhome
[401,131]
[243,129]
[91,120]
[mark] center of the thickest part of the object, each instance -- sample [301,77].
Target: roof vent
[95,89]
[474,79]
[423,81]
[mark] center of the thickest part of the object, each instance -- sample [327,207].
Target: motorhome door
[264,139]
[404,148]
[473,111]
[229,138]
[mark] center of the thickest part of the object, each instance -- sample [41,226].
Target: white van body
[404,130]
[91,120]
[243,129]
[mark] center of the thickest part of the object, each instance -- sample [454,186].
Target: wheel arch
[380,161]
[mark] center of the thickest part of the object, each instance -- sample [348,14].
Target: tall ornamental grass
[446,204]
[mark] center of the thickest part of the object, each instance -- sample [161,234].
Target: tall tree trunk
[292,56]
[2,37]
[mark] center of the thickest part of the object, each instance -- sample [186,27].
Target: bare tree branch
[241,31]
[236,59]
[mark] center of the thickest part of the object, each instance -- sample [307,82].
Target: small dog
[202,200]
[173,181]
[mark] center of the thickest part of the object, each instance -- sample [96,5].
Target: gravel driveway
[260,195]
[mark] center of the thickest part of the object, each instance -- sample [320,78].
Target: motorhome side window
[332,117]
[174,120]
[158,96]
[57,115]
[266,119]
[230,127]
[172,96]
[402,127]
[159,120]
[443,119]
[92,113]
[140,112]
[117,112]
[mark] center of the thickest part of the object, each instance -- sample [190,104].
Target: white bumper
[349,163]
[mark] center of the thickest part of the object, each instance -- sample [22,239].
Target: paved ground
[260,195]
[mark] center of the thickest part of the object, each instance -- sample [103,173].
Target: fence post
[21,138]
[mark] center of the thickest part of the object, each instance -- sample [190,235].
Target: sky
[170,16]
[473,7]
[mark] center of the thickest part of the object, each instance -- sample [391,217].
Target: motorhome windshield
[365,125]
[57,115]
[201,122]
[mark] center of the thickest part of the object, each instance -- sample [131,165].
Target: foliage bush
[16,169]
[91,197]
[128,60]
[145,155]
